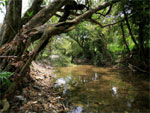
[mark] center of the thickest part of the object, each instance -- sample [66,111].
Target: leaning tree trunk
[12,21]
[23,37]
[124,40]
[16,39]
[19,59]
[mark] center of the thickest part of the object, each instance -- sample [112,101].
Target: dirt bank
[37,96]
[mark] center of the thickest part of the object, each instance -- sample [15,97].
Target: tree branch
[89,13]
[34,9]
[63,27]
[45,14]
[54,29]
[107,12]
[102,26]
[8,57]
[124,40]
[129,29]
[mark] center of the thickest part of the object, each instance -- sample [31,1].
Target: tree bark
[141,40]
[124,40]
[45,14]
[34,9]
[12,21]
[129,28]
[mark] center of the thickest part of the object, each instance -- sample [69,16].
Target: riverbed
[91,89]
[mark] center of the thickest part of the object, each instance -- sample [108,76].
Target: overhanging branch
[90,12]
[107,11]
[102,26]
[54,29]
[45,14]
[62,27]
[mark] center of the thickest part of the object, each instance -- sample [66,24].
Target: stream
[90,89]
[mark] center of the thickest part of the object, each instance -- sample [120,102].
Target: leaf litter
[37,95]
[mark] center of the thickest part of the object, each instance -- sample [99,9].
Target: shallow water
[90,89]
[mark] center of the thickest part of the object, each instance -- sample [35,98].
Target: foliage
[102,46]
[3,3]
[98,45]
[29,13]
[85,42]
[4,80]
[4,77]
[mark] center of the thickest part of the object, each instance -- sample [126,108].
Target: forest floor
[38,96]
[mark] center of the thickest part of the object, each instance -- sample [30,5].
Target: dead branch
[8,57]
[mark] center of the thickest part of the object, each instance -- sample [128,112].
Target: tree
[136,13]
[18,33]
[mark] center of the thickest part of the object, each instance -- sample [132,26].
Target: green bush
[4,80]
[4,76]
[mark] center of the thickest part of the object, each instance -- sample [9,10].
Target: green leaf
[4,76]
[29,13]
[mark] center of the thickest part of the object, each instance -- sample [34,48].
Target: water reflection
[76,110]
[129,104]
[60,82]
[114,90]
[65,91]
[95,76]
[89,89]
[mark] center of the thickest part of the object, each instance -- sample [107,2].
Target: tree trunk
[22,40]
[12,21]
[124,40]
[141,40]
[34,9]
[130,31]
